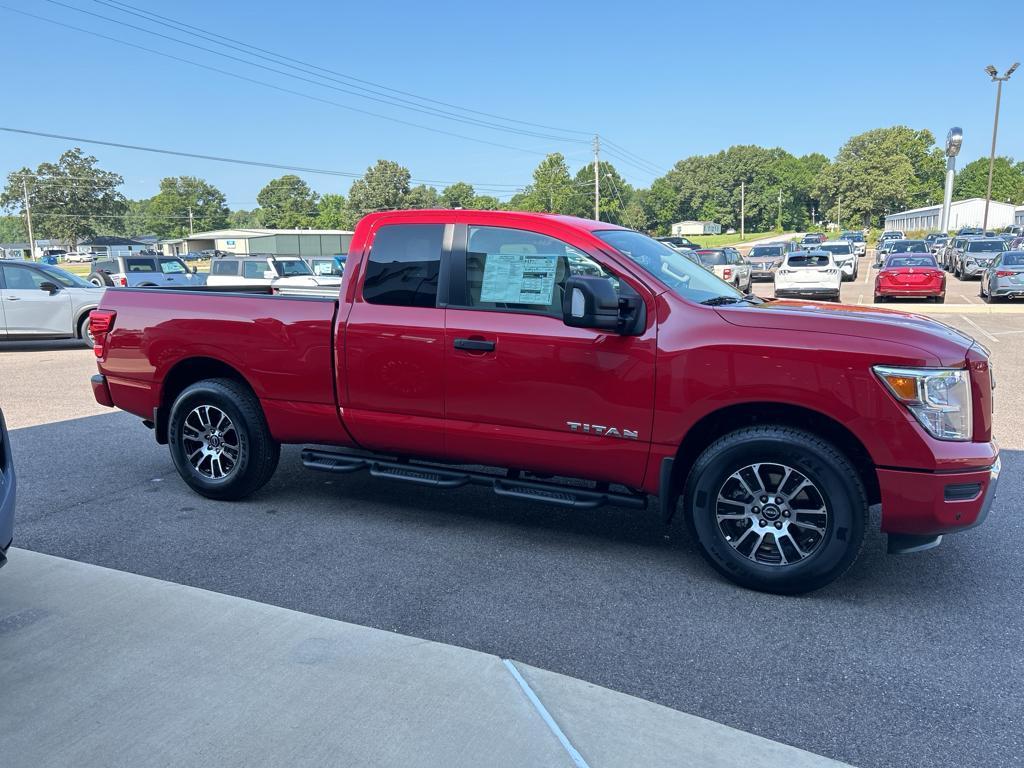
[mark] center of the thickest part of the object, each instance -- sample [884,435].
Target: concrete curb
[102,667]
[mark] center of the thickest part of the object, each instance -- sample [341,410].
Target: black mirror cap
[592,302]
[50,288]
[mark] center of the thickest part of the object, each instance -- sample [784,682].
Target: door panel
[30,310]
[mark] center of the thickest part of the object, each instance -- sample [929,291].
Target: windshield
[987,245]
[765,252]
[809,260]
[173,267]
[855,237]
[911,261]
[909,246]
[326,267]
[292,268]
[842,250]
[712,258]
[686,279]
[65,278]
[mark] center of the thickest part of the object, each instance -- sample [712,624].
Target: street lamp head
[954,140]
[1011,70]
[992,71]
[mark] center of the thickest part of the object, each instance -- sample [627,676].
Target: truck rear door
[391,382]
[523,389]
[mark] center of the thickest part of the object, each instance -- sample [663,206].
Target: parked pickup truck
[512,350]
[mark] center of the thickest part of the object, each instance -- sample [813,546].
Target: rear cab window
[404,265]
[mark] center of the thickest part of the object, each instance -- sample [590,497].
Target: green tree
[458,195]
[181,198]
[486,203]
[383,187]
[243,219]
[288,203]
[1007,180]
[886,169]
[422,197]
[12,230]
[615,193]
[552,190]
[335,213]
[136,220]
[71,199]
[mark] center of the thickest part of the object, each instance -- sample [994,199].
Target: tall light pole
[743,210]
[994,74]
[954,139]
[28,219]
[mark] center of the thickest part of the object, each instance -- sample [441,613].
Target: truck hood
[948,345]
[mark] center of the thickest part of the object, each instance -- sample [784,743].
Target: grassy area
[716,241]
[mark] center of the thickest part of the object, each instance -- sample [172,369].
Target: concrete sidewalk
[105,668]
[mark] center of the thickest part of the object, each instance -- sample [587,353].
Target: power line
[236,161]
[374,95]
[622,150]
[265,84]
[122,6]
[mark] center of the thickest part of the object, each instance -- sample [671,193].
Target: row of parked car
[144,271]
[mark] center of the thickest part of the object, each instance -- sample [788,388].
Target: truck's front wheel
[219,440]
[776,509]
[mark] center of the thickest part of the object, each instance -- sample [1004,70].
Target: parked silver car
[143,271]
[38,301]
[977,255]
[1004,277]
[765,259]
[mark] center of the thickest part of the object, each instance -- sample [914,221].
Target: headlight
[940,398]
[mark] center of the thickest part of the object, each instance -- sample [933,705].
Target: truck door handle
[474,345]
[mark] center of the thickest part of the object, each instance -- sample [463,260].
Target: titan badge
[597,429]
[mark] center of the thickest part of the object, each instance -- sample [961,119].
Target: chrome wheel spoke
[212,444]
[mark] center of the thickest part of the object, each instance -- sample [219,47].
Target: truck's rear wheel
[219,440]
[776,509]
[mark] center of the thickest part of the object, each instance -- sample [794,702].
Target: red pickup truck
[576,363]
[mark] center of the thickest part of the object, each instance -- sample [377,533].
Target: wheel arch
[82,318]
[733,417]
[183,374]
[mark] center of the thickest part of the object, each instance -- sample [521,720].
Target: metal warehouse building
[1019,218]
[279,242]
[962,213]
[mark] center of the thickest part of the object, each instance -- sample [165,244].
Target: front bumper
[974,270]
[803,293]
[757,272]
[928,504]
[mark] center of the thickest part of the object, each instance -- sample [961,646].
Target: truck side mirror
[590,302]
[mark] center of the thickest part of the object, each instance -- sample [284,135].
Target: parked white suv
[844,256]
[278,271]
[809,274]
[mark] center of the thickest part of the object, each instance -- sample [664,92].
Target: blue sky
[662,80]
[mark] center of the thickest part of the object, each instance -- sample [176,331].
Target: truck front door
[524,390]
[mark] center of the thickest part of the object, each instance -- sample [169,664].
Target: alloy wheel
[772,514]
[211,442]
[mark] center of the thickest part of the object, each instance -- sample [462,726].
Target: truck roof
[487,217]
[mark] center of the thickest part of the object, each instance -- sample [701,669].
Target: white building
[696,228]
[962,213]
[279,242]
[1019,216]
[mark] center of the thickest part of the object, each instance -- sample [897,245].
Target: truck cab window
[404,264]
[520,271]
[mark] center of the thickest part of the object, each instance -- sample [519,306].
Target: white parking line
[978,327]
[1005,333]
[860,298]
[867,275]
[971,299]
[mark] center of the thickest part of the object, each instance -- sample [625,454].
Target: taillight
[121,280]
[1004,273]
[101,322]
[726,273]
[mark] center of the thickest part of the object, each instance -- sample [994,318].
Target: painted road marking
[978,327]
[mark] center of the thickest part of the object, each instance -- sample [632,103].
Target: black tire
[83,330]
[99,279]
[257,453]
[833,478]
[940,299]
[881,299]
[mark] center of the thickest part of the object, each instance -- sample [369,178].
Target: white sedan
[38,301]
[809,274]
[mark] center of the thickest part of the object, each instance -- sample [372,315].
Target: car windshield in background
[1015,259]
[909,246]
[712,258]
[295,268]
[172,267]
[911,261]
[855,237]
[65,278]
[809,260]
[765,252]
[841,250]
[976,246]
[684,277]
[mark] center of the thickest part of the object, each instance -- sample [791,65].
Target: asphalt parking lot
[912,660]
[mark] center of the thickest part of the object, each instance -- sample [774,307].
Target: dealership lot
[914,660]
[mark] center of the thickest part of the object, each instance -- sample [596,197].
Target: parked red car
[911,275]
[549,347]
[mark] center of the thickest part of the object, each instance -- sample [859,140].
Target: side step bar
[446,477]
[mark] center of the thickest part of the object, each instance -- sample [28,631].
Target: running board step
[446,477]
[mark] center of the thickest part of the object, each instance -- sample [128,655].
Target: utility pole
[993,73]
[28,219]
[597,177]
[743,210]
[778,224]
[839,216]
[191,231]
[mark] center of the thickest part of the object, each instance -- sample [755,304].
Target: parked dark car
[680,242]
[8,488]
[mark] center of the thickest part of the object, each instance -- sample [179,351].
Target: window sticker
[515,278]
